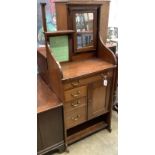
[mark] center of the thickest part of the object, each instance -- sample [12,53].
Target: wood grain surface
[80,68]
[46,99]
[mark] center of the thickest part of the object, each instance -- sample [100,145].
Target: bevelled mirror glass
[84,30]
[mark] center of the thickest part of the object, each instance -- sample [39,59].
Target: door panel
[98,98]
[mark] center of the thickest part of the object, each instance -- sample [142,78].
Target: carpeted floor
[100,143]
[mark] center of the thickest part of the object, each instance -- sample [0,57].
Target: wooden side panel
[54,75]
[111,93]
[46,99]
[105,53]
[42,66]
[61,16]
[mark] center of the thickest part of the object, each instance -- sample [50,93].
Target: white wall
[113,14]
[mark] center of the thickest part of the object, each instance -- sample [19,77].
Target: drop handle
[76,95]
[75,104]
[76,118]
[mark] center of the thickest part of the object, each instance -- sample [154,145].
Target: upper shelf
[83,68]
[84,32]
[59,33]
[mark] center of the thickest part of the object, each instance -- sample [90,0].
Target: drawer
[76,117]
[72,105]
[85,81]
[75,93]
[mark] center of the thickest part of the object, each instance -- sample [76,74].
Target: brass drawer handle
[75,104]
[76,118]
[76,95]
[75,83]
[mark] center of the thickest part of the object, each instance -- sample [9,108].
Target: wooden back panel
[54,74]
[62,15]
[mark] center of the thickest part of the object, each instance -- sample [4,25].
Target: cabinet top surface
[46,99]
[84,67]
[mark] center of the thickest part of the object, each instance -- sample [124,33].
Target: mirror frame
[72,25]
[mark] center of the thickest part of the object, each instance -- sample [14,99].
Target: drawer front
[75,117]
[73,105]
[75,93]
[85,81]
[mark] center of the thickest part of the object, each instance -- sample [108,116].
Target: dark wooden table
[50,133]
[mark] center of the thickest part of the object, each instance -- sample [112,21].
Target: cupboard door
[98,98]
[51,128]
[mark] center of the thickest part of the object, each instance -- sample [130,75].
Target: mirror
[84,30]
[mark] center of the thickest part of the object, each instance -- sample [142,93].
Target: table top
[84,67]
[46,99]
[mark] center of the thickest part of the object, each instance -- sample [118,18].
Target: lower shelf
[85,130]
